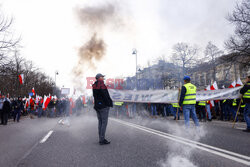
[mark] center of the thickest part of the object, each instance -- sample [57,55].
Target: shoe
[174,118]
[246,130]
[104,142]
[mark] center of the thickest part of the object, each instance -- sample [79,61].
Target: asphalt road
[134,142]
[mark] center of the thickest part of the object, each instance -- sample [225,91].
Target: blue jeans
[247,115]
[17,115]
[174,110]
[102,116]
[153,109]
[187,110]
[208,111]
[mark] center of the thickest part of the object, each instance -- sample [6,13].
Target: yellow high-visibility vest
[234,102]
[118,103]
[224,101]
[190,96]
[242,105]
[247,94]
[202,103]
[175,105]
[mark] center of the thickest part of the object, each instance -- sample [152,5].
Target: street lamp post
[135,53]
[56,73]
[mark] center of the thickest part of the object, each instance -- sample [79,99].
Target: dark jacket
[101,95]
[243,91]
[18,105]
[6,106]
[182,95]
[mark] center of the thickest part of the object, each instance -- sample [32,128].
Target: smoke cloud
[95,19]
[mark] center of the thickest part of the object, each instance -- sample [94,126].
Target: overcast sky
[51,32]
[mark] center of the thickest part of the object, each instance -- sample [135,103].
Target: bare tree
[7,41]
[240,42]
[211,54]
[184,55]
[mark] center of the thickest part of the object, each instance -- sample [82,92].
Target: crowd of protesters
[14,108]
[224,110]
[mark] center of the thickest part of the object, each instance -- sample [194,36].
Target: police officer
[188,100]
[102,102]
[245,91]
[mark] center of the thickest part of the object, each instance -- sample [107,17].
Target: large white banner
[170,96]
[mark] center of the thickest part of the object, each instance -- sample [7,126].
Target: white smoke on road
[178,154]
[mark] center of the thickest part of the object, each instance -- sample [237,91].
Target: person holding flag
[245,92]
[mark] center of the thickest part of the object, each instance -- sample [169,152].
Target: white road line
[214,150]
[46,137]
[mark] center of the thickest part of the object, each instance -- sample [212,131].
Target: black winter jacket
[101,95]
[245,88]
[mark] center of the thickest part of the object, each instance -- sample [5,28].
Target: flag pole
[237,112]
[178,104]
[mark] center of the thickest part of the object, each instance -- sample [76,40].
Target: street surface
[145,142]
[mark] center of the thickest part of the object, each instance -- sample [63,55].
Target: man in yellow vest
[188,100]
[245,91]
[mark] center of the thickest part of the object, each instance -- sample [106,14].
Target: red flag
[83,100]
[33,91]
[238,83]
[233,84]
[21,78]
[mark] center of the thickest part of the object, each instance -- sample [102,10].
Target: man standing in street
[245,91]
[18,107]
[6,110]
[102,102]
[188,100]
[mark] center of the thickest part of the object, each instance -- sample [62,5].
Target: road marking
[60,121]
[214,150]
[46,137]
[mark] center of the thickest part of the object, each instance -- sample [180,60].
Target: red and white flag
[46,102]
[21,78]
[214,86]
[33,91]
[233,84]
[238,83]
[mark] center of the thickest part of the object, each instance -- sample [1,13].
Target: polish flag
[46,101]
[214,86]
[233,84]
[33,91]
[26,103]
[21,78]
[238,83]
[208,87]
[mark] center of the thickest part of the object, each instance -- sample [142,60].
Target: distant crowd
[15,108]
